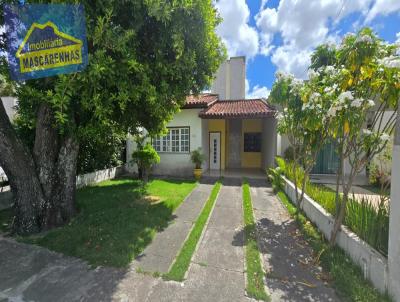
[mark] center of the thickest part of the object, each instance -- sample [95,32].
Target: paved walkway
[160,254]
[287,257]
[31,273]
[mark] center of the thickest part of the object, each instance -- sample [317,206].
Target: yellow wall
[251,159]
[215,126]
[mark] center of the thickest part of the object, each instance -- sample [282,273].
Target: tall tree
[144,58]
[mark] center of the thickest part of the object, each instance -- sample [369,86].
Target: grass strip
[182,261]
[255,274]
[347,277]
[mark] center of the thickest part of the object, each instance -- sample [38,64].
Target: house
[233,132]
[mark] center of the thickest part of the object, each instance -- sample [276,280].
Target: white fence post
[394,221]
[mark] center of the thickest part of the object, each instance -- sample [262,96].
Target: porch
[239,137]
[249,173]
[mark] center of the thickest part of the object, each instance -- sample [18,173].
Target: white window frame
[177,140]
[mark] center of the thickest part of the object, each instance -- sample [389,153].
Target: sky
[281,34]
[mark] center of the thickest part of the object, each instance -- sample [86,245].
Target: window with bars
[177,140]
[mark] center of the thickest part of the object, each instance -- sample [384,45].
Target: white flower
[285,110]
[367,132]
[312,74]
[356,103]
[370,103]
[279,116]
[329,69]
[364,38]
[345,95]
[385,137]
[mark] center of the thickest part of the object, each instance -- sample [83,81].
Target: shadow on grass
[114,223]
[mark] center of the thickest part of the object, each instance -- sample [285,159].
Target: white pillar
[394,221]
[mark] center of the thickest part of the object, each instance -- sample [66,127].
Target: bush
[275,178]
[370,222]
[145,157]
[197,158]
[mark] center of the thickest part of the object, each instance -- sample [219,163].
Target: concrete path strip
[287,257]
[161,252]
[217,269]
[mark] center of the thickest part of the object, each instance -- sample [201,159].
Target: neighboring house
[232,131]
[10,104]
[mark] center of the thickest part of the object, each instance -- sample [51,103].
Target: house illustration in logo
[45,47]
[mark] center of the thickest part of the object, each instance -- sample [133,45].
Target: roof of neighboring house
[200,101]
[246,108]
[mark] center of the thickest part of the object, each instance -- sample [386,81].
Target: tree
[144,58]
[145,156]
[367,85]
[303,106]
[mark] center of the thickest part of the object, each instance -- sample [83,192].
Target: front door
[215,150]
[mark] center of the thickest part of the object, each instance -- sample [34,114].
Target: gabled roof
[245,108]
[200,101]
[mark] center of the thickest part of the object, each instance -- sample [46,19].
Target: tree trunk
[42,182]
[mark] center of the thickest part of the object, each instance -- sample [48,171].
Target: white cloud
[239,37]
[398,38]
[256,92]
[382,7]
[302,25]
[290,59]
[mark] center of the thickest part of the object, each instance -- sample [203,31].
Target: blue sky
[281,34]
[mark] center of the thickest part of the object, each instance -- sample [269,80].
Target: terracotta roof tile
[200,101]
[251,108]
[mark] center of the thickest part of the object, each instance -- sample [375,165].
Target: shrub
[145,156]
[370,222]
[275,177]
[197,158]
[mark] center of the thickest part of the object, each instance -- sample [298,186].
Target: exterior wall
[234,145]
[250,159]
[394,222]
[373,265]
[176,164]
[282,144]
[230,79]
[219,125]
[9,103]
[269,143]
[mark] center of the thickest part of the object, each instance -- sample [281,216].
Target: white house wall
[176,164]
[230,79]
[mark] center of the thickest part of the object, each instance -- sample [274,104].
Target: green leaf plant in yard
[254,271]
[117,219]
[347,278]
[182,261]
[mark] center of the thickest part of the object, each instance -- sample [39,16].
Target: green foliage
[369,221]
[144,58]
[347,277]
[145,156]
[254,271]
[197,157]
[114,223]
[182,261]
[275,178]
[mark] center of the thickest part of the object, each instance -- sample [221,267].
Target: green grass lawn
[182,261]
[114,224]
[254,271]
[347,277]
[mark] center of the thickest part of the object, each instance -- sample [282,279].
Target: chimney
[229,82]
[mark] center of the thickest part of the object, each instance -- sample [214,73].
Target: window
[176,140]
[252,142]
